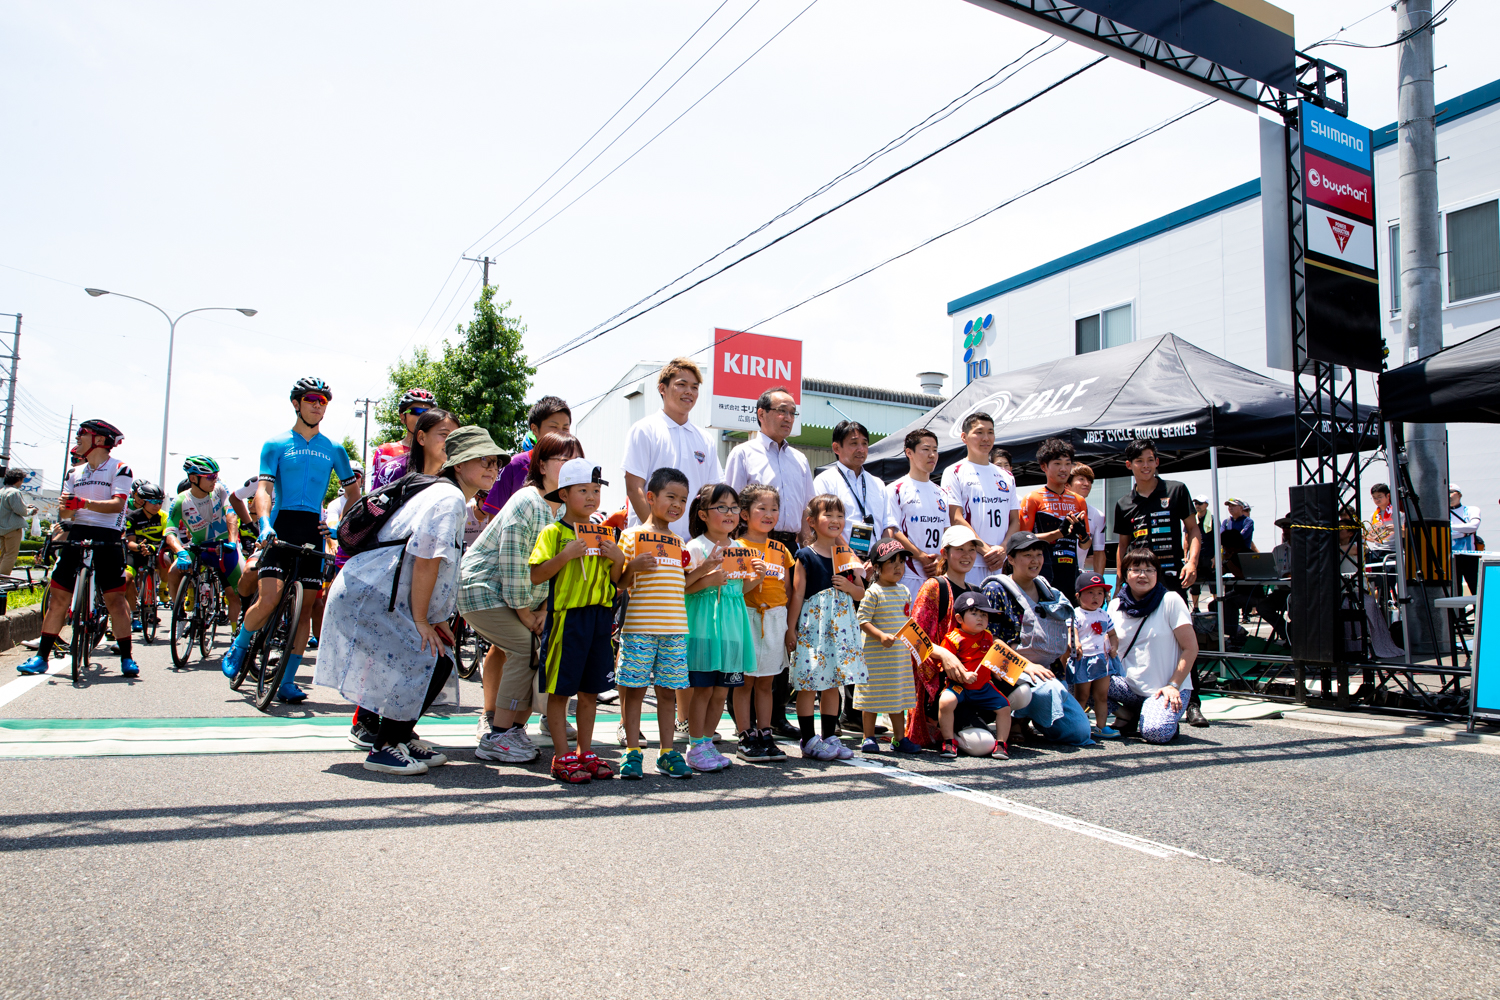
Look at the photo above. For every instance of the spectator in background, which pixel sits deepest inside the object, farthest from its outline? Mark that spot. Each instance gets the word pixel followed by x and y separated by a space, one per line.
pixel 767 460
pixel 1001 458
pixel 668 439
pixel 1241 521
pixel 13 514
pixel 388 461
pixel 863 495
pixel 1057 516
pixel 1090 550
pixel 1382 525
pixel 1157 647
pixel 1464 524
pixel 549 415
pixel 1205 517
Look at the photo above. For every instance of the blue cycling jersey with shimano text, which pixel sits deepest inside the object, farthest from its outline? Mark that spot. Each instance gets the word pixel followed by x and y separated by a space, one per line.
pixel 299 469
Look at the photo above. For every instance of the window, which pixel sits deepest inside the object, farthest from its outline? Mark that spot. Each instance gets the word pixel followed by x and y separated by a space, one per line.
pixel 1110 328
pixel 1394 274
pixel 1474 251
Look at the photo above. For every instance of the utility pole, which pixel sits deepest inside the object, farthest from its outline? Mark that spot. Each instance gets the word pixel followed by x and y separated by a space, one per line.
pixel 1418 272
pixel 10 402
pixel 486 261
pixel 364 411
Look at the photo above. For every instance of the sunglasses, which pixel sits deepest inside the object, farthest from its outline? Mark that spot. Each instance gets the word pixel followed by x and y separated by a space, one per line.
pixel 314 397
pixel 417 411
pixel 210 476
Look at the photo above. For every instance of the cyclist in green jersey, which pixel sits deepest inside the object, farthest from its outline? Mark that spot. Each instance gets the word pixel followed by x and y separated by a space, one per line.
pixel 203 511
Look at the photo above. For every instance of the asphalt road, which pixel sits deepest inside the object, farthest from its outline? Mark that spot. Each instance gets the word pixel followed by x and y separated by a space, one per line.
pixel 1345 864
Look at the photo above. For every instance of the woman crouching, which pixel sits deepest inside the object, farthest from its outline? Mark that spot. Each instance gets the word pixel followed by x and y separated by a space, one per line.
pixel 392 657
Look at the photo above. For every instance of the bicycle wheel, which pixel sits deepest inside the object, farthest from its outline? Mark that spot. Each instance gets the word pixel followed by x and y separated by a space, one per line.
pixel 184 612
pixel 278 645
pixel 145 602
pixel 211 607
pixel 464 661
pixel 78 642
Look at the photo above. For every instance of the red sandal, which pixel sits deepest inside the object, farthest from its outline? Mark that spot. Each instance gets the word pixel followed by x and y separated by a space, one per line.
pixel 570 769
pixel 596 767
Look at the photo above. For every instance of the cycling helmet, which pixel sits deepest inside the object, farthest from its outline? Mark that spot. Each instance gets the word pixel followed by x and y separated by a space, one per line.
pixel 136 484
pixel 184 486
pixel 356 468
pixel 149 492
pixel 416 397
pixel 104 429
pixel 308 384
pixel 252 479
pixel 199 465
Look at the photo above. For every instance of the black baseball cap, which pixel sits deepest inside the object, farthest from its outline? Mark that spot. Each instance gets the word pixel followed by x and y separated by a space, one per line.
pixel 973 600
pixel 1023 540
pixel 885 550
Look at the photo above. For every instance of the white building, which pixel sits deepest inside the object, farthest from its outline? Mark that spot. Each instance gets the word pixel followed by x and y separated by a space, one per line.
pixel 1198 272
pixel 601 425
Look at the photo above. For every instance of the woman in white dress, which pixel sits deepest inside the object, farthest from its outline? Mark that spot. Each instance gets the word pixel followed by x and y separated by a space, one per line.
pixel 391 656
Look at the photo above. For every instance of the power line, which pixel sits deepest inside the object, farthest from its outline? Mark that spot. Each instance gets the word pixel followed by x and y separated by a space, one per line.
pixel 553 355
pixel 643 146
pixel 611 118
pixel 943 113
pixel 1432 22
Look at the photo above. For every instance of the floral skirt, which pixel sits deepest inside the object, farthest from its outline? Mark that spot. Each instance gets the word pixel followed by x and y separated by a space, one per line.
pixel 830 646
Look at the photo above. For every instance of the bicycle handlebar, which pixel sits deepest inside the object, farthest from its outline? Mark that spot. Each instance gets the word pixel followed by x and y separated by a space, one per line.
pixel 304 550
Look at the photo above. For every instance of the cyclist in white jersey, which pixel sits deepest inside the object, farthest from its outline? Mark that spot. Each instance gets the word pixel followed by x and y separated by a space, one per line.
pixel 920 510
pixel 91 507
pixel 985 494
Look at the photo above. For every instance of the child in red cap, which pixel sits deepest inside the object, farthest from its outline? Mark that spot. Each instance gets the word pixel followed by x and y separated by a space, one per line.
pixel 1095 649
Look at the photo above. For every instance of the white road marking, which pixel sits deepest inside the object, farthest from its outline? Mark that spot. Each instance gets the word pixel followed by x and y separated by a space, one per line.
pixel 10 692
pixel 1151 847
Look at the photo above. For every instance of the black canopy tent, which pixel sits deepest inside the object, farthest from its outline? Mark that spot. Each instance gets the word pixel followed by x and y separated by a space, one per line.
pixel 1457 385
pixel 1185 399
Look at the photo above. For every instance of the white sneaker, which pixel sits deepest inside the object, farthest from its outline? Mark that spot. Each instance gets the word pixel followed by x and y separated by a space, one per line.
pixel 523 738
pixel 682 734
pixel 503 746
pixel 544 735
pixel 483 728
pixel 624 740
pixel 836 745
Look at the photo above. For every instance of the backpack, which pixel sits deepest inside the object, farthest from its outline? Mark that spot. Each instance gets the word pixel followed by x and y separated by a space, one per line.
pixel 359 528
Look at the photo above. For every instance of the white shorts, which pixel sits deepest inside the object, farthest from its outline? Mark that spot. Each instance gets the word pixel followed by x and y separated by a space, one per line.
pixel 769 631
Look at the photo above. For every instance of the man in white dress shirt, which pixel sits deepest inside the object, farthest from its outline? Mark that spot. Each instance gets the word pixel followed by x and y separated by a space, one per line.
pixel 766 459
pixel 863 495
pixel 669 440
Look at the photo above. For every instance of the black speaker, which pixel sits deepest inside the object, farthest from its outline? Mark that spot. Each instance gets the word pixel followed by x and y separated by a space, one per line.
pixel 1315 621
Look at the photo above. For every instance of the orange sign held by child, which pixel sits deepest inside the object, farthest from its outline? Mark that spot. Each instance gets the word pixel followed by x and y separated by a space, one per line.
pixel 591 535
pixel 666 548
pixel 737 564
pixel 845 560
pixel 916 640
pixel 1005 663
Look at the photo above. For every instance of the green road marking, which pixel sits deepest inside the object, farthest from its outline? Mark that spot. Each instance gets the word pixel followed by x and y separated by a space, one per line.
pixel 333 722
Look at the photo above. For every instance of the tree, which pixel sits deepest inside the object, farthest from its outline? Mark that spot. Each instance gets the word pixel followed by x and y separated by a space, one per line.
pixel 334 489
pixel 483 379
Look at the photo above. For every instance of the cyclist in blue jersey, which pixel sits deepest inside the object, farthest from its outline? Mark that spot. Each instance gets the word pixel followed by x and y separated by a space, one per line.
pixel 296 466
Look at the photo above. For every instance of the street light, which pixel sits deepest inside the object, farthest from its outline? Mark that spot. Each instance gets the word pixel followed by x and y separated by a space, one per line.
pixel 166 410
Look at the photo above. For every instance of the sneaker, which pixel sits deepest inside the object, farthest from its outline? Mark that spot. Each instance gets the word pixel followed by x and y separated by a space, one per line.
pixel 773 749
pixel 570 769
pixel 35 665
pixel 904 745
pixel 624 740
pixel 630 767
pixel 545 734
pixel 682 734
pixel 701 757
pixel 600 769
pixel 673 765
pixel 135 624
pixel 312 642
pixel 752 748
pixel 1108 733
pixel 837 748
pixel 362 736
pixel 503 746
pixel 818 748
pixel 290 693
pixel 724 762
pixel 394 760
pixel 522 737
pixel 950 749
pixel 484 726
pixel 870 745
pixel 425 752
pixel 1001 751
pixel 130 668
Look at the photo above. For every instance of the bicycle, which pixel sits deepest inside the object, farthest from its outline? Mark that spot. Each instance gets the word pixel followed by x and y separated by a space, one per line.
pixel 195 610
pixel 146 602
pixel 272 645
pixel 465 664
pixel 89 617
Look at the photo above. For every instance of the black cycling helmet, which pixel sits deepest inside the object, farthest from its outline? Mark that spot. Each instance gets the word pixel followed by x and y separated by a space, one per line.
pixel 104 429
pixel 136 484
pixel 309 383
pixel 149 492
pixel 416 397
pixel 184 486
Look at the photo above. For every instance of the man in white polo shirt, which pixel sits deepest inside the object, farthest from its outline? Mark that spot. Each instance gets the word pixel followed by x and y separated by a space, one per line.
pixel 669 440
pixel 985 494
pixel 863 495
pixel 767 460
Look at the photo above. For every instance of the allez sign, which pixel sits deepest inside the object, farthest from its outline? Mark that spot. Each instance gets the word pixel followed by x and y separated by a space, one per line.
pixel 746 365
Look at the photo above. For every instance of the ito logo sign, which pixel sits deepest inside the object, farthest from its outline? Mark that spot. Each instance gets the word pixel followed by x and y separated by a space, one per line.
pixel 974 331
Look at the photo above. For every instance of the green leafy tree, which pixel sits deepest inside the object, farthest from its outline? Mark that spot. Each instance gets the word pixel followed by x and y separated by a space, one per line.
pixel 483 379
pixel 334 489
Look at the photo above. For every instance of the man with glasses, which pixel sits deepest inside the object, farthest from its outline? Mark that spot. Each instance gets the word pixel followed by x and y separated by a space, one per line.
pixel 767 460
pixel 203 509
pixel 297 465
pixel 388 461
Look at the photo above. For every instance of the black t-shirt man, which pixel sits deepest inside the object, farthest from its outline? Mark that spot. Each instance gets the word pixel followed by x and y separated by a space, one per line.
pixel 1157 520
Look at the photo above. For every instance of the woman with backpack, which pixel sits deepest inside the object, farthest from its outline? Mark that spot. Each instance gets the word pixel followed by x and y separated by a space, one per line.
pixel 385 641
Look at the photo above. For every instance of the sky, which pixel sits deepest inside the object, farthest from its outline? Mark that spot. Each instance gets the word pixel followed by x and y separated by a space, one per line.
pixel 329 164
